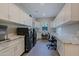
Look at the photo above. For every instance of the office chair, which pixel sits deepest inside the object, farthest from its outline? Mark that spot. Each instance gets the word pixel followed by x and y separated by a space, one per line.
pixel 52 43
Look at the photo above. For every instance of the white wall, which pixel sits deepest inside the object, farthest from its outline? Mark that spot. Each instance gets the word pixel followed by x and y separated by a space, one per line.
pixel 72 29
pixel 42 21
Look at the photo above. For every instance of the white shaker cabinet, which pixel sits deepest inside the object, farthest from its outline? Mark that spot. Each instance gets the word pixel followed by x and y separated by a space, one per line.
pixel 4 11
pixel 67 10
pixel 22 16
pixel 14 13
pixel 60 47
pixel 59 19
pixel 9 51
pixel 67 49
pixel 68 15
pixel 75 12
pixel 19 47
pixel 13 48
pixel 28 20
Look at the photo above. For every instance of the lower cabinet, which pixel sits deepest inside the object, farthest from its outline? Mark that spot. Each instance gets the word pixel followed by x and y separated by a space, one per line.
pixel 15 49
pixel 7 51
pixel 60 47
pixel 67 49
pixel 19 47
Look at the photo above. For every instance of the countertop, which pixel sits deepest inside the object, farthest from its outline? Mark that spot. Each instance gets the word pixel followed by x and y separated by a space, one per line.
pixel 67 39
pixel 7 43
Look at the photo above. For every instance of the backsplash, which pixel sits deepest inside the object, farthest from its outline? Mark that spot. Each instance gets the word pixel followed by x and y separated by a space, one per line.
pixel 3 32
pixel 68 30
pixel 11 30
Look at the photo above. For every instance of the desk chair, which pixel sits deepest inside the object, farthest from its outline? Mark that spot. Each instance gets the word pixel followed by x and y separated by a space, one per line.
pixel 52 43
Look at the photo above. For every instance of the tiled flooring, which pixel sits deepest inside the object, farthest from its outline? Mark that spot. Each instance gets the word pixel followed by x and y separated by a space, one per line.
pixel 41 49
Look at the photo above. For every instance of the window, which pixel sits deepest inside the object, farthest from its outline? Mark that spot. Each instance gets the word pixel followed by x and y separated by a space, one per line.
pixel 45 27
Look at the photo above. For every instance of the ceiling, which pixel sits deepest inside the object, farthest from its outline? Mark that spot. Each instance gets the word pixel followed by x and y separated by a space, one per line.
pixel 41 10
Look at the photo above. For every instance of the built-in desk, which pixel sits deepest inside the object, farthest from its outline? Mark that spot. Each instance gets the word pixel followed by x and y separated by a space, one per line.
pixel 14 47
pixel 67 45
pixel 44 37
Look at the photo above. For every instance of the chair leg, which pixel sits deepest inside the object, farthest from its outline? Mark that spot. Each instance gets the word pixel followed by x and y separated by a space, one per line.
pixel 52 47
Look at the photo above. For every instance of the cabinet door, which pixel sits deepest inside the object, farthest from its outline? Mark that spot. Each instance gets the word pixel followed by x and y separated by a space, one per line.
pixel 59 19
pixel 13 13
pixel 60 47
pixel 22 16
pixel 75 11
pixel 7 51
pixel 67 11
pixel 54 23
pixel 16 48
pixel 4 11
pixel 62 16
pixel 19 46
pixel 28 21
pixel 22 45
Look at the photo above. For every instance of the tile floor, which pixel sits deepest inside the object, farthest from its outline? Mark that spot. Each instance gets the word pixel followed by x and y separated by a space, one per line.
pixel 41 49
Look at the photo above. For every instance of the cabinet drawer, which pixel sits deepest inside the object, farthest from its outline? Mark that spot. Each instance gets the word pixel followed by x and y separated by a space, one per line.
pixel 7 52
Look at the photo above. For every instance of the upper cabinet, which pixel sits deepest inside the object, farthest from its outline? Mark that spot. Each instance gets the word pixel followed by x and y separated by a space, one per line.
pixel 4 11
pixel 18 15
pixel 75 12
pixel 28 20
pixel 12 13
pixel 22 16
pixel 69 14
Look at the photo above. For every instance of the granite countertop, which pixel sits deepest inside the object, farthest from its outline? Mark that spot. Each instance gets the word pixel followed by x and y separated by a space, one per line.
pixel 67 39
pixel 7 43
pixel 14 36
